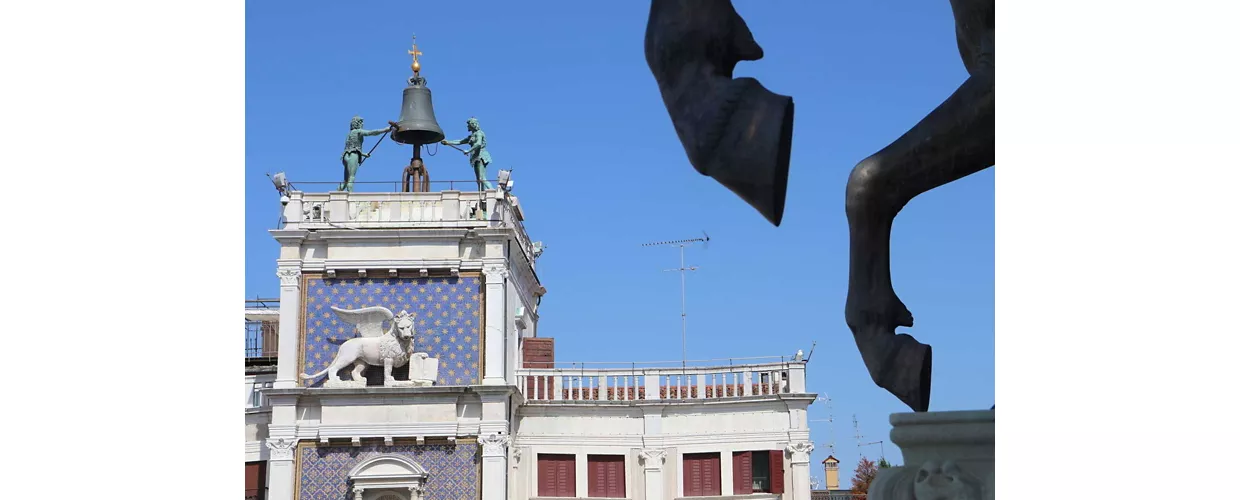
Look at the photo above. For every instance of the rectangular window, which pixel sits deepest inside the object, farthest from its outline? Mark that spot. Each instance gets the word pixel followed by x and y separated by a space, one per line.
pixel 702 476
pixel 606 478
pixel 557 475
pixel 757 472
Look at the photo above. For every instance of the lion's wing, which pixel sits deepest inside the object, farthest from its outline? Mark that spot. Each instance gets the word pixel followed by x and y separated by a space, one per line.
pixel 369 320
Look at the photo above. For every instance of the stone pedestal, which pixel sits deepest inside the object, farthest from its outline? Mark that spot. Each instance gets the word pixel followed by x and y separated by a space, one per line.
pixel 948 455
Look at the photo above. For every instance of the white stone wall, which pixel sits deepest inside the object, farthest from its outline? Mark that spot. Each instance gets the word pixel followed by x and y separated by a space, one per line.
pixel 762 423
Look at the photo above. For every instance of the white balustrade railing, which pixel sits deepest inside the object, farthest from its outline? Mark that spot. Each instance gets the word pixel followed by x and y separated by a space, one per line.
pixel 645 384
pixel 404 210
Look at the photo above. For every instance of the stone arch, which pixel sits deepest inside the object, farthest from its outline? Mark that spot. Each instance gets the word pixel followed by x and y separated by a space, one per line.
pixel 388 476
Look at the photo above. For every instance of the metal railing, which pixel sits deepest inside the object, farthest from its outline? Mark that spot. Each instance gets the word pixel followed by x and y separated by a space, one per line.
pixel 470 185
pixel 262 337
pixel 661 383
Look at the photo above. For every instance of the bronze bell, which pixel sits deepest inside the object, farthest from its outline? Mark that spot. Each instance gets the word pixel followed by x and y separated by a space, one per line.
pixel 417 123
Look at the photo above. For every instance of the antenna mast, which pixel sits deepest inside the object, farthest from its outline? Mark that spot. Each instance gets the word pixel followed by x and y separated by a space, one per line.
pixel 830 420
pixel 882 454
pixel 683 321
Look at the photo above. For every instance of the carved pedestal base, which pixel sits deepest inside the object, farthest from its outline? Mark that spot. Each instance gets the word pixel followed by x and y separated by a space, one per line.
pixel 948 455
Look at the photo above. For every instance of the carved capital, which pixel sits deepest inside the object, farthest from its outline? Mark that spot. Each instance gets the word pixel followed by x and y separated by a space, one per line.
pixel 800 451
pixel 495 274
pixel 652 458
pixel 282 448
pixel 516 454
pixel 493 444
pixel 289 276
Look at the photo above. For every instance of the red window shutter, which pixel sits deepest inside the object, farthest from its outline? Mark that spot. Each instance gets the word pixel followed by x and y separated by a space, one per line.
pixel 777 471
pixel 702 474
pixel 693 475
pixel 714 484
pixel 557 476
pixel 615 477
pixel 545 475
pixel 569 488
pixel 606 476
pixel 742 473
pixel 252 477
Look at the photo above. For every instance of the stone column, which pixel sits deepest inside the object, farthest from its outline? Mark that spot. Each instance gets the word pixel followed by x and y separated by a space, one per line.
pixel 495 325
pixel 652 465
pixel 799 464
pixel 290 315
pixel 280 470
pixel 494 466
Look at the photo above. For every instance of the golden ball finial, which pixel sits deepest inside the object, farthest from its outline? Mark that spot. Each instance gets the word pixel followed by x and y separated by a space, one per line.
pixel 417 66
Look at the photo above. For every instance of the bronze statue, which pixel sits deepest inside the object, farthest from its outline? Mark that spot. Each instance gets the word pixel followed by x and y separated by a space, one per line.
pixel 353 156
pixel 737 132
pixel 479 158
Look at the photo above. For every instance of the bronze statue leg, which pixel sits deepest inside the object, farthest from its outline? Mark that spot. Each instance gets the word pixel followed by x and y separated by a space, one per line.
pixel 733 130
pixel 953 141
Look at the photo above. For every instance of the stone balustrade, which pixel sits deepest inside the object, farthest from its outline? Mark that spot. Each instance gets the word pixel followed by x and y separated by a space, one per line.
pixel 399 210
pixel 667 384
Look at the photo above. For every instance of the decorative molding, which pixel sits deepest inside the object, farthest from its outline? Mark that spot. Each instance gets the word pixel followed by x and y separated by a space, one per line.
pixel 495 273
pixel 289 276
pixel 493 445
pixel 281 448
pixel 801 447
pixel 653 458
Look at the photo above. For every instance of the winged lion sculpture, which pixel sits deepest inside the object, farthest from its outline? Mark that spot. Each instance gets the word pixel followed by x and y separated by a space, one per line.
pixel 375 347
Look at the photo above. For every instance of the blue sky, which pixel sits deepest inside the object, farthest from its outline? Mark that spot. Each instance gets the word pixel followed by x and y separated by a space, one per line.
pixel 566 99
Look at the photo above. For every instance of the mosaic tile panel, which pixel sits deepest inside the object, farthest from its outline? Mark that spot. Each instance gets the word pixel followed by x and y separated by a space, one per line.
pixel 452 471
pixel 447 312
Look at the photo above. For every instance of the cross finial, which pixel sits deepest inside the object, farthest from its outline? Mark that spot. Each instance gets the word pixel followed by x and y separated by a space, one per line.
pixel 417 66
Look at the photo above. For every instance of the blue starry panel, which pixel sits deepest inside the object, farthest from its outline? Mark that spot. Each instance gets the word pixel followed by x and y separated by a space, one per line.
pixel 447 314
pixel 452 471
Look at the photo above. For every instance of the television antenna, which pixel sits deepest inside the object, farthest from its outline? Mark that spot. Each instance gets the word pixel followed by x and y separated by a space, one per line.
pixel 705 240
pixel 882 455
pixel 830 420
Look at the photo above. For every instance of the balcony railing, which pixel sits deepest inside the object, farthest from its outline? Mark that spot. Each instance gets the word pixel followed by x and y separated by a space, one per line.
pixel 262 328
pixel 661 383
pixel 401 210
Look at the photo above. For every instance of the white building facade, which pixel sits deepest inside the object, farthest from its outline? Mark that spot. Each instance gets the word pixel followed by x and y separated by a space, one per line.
pixel 484 422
